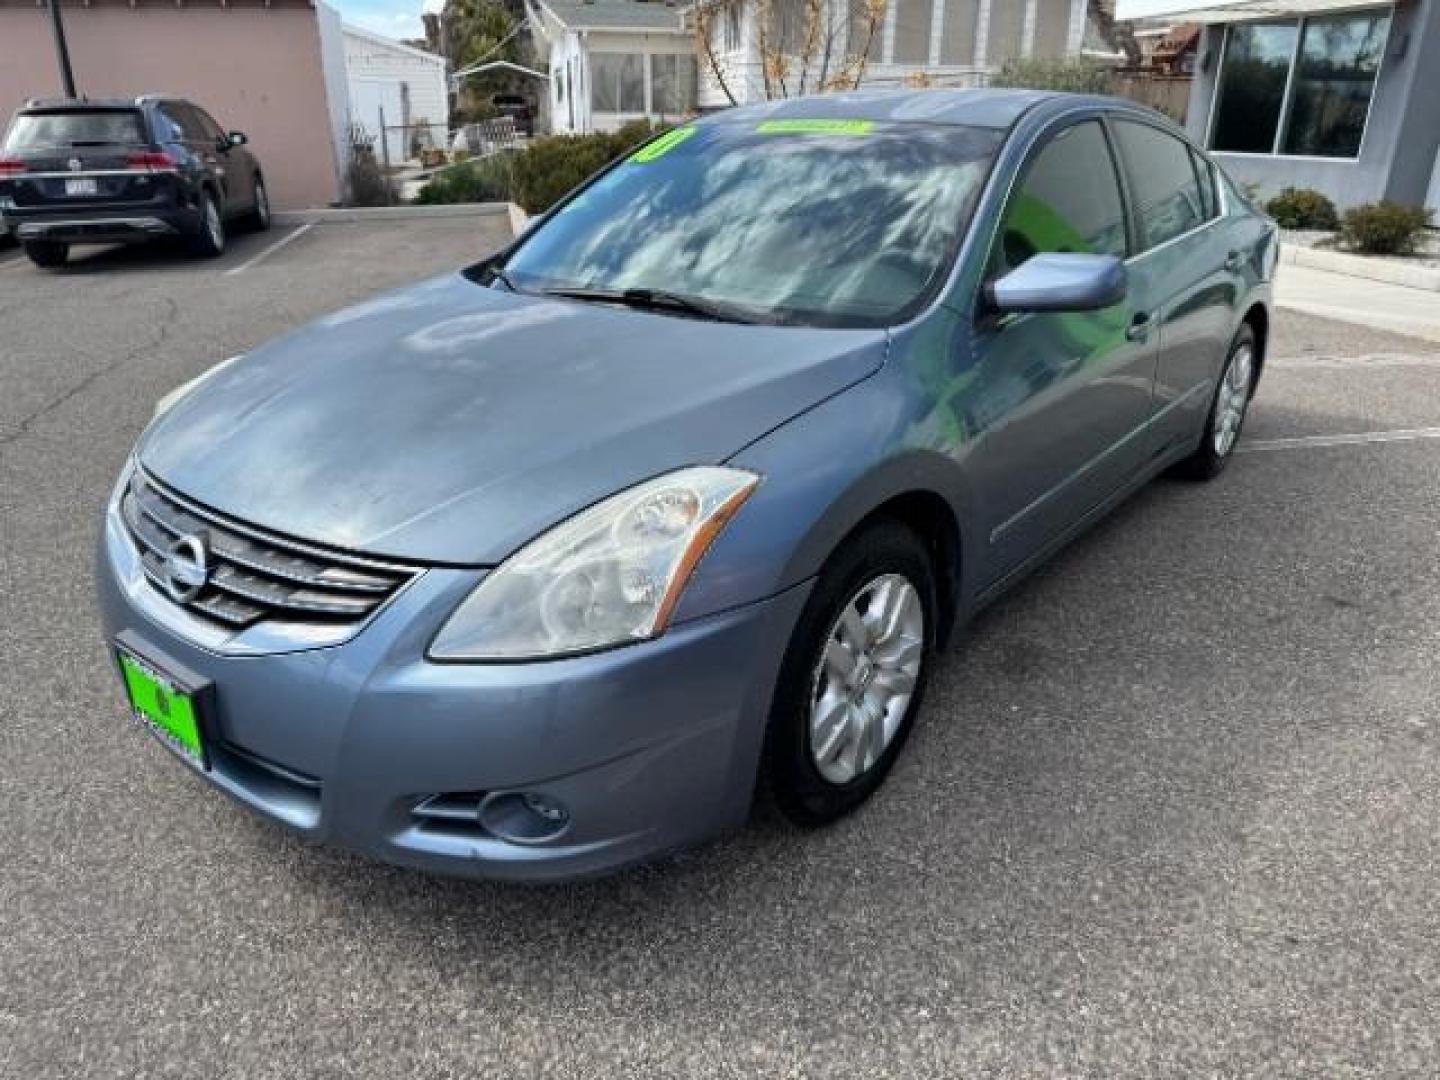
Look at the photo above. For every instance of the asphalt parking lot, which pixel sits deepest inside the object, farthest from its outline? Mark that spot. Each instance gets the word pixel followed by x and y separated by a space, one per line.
pixel 1171 808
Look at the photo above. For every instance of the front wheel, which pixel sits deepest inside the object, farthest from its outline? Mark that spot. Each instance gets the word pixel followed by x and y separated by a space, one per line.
pixel 47 253
pixel 258 220
pixel 853 676
pixel 1227 411
pixel 208 239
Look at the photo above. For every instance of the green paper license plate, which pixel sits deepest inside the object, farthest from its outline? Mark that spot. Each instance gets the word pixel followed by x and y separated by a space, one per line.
pixel 170 712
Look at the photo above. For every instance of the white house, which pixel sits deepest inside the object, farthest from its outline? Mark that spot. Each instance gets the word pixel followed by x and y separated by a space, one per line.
pixel 404 83
pixel 612 61
pixel 953 42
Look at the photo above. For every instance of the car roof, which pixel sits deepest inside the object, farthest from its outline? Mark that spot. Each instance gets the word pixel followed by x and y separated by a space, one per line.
pixel 91 104
pixel 999 108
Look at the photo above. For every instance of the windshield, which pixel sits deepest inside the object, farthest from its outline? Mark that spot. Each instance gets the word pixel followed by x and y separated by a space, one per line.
pixel 41 130
pixel 824 223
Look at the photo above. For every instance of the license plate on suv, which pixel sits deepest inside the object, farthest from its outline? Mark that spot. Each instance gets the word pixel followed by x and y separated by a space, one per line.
pixel 82 185
pixel 168 705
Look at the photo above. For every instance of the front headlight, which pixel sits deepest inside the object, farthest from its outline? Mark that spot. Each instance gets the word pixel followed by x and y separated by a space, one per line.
pixel 610 575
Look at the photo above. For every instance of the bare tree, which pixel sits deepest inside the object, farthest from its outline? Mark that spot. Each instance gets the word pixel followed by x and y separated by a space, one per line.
pixel 802 45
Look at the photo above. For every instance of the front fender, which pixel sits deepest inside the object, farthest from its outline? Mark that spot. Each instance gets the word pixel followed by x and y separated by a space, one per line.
pixel 824 473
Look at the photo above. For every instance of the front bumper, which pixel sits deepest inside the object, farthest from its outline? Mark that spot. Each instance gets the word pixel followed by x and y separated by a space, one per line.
pixel 649 747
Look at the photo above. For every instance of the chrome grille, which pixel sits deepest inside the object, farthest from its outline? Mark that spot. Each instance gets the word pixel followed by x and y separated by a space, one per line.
pixel 253 576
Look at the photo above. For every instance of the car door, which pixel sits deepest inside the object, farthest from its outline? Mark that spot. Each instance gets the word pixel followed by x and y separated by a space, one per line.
pixel 236 162
pixel 1058 401
pixel 1182 272
pixel 203 150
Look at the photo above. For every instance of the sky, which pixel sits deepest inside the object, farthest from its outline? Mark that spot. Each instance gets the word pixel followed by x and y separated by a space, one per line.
pixel 392 18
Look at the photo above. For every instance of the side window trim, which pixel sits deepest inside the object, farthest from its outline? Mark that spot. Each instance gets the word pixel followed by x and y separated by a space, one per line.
pixel 1038 147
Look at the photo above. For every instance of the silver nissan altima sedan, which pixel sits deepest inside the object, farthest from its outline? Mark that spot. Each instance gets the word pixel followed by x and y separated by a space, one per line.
pixel 548 565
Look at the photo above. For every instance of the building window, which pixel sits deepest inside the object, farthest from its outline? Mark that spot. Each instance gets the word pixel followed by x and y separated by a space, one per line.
pixel 1333 84
pixel 672 84
pixel 617 82
pixel 1298 87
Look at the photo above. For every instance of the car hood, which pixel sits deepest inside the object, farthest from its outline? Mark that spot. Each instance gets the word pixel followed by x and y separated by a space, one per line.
pixel 452 423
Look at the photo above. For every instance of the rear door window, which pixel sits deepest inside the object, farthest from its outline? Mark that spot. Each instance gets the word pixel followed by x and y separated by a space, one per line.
pixel 75 127
pixel 1068 201
pixel 1163 182
pixel 1208 194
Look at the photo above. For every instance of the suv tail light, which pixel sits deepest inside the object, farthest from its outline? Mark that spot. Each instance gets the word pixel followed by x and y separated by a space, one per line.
pixel 11 166
pixel 150 159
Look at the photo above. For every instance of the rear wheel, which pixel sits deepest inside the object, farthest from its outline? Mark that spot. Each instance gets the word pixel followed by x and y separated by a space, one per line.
pixel 853 676
pixel 1227 411
pixel 208 239
pixel 47 253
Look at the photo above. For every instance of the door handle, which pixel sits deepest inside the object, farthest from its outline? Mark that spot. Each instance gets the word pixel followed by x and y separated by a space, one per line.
pixel 1235 260
pixel 1139 328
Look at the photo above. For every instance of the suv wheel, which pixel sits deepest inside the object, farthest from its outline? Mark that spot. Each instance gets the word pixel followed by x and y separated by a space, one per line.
pixel 853 676
pixel 209 236
pixel 259 218
pixel 48 253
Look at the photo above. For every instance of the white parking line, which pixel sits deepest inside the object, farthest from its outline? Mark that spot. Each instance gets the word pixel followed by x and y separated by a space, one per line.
pixel 1306 441
pixel 1363 362
pixel 271 250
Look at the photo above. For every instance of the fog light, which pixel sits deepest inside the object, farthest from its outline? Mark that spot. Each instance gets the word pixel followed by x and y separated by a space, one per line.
pixel 546 807
pixel 524 817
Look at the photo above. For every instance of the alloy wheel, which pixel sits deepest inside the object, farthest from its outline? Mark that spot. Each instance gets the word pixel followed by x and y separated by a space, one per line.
pixel 213 225
pixel 1234 398
pixel 866 677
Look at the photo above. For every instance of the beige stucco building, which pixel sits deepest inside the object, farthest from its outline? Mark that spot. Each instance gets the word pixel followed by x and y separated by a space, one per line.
pixel 274 69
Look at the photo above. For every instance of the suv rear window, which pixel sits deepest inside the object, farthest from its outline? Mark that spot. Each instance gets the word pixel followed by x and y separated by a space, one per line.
pixel 75 127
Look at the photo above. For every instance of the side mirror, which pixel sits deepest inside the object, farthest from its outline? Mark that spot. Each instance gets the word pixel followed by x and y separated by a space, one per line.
pixel 236 138
pixel 1055 281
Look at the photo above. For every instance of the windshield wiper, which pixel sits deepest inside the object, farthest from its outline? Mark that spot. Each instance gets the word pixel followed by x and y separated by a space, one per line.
pixel 657 300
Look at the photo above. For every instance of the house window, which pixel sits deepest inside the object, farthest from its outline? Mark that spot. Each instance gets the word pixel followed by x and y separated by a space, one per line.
pixel 672 84
pixel 617 82
pixel 1333 84
pixel 1299 87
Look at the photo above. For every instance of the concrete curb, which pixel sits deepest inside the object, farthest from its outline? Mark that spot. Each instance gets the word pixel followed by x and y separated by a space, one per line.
pixel 1361 266
pixel 355 214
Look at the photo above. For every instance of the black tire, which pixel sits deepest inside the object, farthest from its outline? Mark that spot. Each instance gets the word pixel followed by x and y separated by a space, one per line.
pixel 47 253
pixel 208 238
pixel 790 776
pixel 258 219
pixel 1209 460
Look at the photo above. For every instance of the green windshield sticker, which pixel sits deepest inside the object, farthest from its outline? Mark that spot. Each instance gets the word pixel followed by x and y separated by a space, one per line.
pixel 663 145
pixel 815 127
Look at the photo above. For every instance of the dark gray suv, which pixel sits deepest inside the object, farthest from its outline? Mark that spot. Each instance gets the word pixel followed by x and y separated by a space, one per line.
pixel 75 172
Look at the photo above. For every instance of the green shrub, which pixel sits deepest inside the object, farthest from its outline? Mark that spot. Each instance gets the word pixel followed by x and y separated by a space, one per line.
pixel 1303 208
pixel 1385 228
pixel 483 180
pixel 1074 76
pixel 548 169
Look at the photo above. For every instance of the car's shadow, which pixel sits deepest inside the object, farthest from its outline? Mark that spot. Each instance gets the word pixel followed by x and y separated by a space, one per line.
pixel 164 254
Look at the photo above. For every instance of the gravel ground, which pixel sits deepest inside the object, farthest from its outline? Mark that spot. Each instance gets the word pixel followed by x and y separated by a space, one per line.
pixel 1170 810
